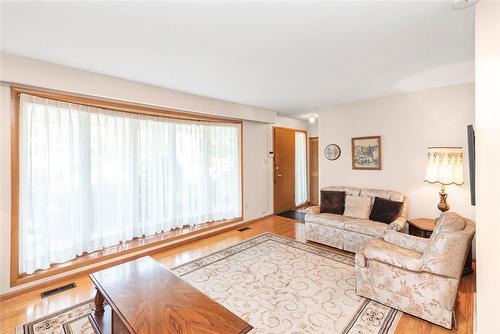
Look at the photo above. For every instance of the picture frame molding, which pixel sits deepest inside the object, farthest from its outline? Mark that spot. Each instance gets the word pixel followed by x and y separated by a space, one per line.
pixel 379 143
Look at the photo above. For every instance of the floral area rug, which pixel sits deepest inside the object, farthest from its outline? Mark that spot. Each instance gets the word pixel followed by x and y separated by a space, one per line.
pixel 276 284
pixel 74 319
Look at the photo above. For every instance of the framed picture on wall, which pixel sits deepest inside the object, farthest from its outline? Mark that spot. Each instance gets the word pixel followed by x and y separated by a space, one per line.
pixel 366 153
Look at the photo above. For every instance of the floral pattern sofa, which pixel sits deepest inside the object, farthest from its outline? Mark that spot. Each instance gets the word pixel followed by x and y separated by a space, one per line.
pixel 348 233
pixel 416 275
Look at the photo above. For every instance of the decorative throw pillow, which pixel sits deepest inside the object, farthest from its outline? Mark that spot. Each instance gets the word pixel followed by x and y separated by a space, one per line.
pixel 332 202
pixel 385 211
pixel 357 207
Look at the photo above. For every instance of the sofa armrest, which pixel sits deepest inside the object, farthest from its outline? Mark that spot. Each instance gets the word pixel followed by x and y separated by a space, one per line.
pixel 312 210
pixel 398 224
pixel 446 255
pixel 406 241
pixel 379 250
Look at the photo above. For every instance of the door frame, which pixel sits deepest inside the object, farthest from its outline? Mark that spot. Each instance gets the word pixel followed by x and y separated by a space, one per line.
pixel 307 164
pixel 310 168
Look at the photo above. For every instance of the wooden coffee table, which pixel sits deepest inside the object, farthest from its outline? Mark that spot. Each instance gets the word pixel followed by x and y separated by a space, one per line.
pixel 144 297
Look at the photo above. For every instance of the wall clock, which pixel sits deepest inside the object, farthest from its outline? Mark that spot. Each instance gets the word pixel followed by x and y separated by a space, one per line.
pixel 332 152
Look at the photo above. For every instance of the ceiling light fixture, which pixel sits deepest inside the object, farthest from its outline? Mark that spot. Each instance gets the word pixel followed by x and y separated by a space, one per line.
pixel 312 118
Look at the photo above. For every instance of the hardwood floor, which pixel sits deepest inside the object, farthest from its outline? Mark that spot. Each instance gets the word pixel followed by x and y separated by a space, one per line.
pixel 30 306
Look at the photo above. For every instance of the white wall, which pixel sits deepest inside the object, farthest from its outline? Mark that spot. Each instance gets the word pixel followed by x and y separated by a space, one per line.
pixel 258 142
pixel 20 70
pixel 4 188
pixel 257 170
pixel 257 130
pixel 314 129
pixel 488 162
pixel 287 122
pixel 408 124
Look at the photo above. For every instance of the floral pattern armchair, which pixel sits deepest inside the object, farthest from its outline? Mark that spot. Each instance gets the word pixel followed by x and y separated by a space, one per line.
pixel 416 275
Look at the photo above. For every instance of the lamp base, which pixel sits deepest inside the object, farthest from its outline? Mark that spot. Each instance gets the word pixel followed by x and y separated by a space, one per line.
pixel 443 206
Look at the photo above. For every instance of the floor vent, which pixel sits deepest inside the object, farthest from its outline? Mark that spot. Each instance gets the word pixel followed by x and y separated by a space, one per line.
pixel 59 289
pixel 244 229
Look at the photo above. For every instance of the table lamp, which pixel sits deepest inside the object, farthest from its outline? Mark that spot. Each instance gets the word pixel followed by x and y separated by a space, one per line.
pixel 444 166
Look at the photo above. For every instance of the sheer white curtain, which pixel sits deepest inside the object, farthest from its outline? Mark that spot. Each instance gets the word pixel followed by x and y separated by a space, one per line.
pixel 300 168
pixel 90 178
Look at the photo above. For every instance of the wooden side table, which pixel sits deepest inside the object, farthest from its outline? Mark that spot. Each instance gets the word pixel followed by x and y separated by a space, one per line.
pixel 423 227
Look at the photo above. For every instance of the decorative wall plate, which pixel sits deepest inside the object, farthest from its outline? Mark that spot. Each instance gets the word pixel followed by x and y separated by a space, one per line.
pixel 332 152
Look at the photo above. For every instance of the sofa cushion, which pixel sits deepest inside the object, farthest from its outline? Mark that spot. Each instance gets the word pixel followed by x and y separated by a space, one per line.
pixel 357 207
pixel 385 210
pixel 348 190
pixel 328 219
pixel 387 194
pixel 332 202
pixel 376 193
pixel 366 226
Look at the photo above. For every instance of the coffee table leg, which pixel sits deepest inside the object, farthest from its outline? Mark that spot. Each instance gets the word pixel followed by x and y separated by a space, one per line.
pixel 99 303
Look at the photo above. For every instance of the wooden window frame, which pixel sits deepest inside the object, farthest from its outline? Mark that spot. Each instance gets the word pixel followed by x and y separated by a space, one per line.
pixel 123 248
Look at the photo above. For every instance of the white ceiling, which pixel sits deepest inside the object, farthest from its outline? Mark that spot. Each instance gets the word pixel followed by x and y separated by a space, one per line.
pixel 289 57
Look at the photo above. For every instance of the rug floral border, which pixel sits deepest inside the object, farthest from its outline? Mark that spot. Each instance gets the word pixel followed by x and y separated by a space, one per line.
pixel 27 328
pixel 201 262
pixel 367 308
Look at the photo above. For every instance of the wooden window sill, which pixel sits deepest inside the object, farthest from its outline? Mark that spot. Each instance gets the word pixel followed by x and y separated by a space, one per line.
pixel 134 245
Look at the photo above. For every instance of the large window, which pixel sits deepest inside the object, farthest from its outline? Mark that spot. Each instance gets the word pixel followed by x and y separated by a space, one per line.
pixel 91 177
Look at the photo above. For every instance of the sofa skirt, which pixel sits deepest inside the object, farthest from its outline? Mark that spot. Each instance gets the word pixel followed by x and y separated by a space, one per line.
pixel 338 238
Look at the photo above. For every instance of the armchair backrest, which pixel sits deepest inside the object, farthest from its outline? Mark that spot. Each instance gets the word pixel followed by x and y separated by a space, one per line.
pixel 448 245
pixel 372 193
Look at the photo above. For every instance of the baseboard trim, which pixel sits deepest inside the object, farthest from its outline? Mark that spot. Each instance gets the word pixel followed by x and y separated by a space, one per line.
pixel 127 257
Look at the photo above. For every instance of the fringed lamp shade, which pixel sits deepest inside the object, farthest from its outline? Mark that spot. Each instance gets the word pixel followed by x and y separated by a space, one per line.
pixel 445 165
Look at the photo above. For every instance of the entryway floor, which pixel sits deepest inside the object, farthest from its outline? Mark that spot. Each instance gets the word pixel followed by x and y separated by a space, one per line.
pixel 292 214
